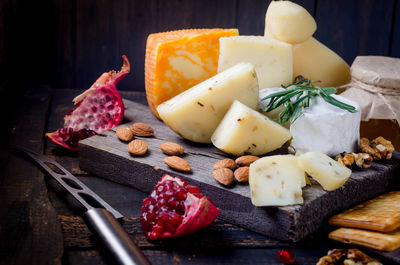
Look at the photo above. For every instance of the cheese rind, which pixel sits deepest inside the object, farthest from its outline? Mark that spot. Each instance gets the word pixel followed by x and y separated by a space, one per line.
pixel 289 22
pixel 177 60
pixel 325 170
pixel 271 58
pixel 315 61
pixel 196 113
pixel 246 131
pixel 276 181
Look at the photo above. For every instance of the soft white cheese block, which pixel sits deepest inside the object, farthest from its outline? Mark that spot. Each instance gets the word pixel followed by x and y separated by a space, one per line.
pixel 323 127
pixel 271 58
pixel 289 22
pixel 195 113
pixel 276 181
pixel 246 131
pixel 325 170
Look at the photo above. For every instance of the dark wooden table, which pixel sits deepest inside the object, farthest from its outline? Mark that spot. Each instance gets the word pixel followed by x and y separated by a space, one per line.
pixel 37 226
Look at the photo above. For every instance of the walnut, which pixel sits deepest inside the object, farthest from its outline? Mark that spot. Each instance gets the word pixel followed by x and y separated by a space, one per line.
pixel 365 146
pixel 335 256
pixel 346 159
pixel 356 256
pixel 362 160
pixel 384 146
pixel 352 256
pixel 379 148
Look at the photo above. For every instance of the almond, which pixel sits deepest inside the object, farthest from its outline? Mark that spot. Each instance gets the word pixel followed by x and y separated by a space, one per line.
pixel 242 174
pixel 225 163
pixel 245 160
pixel 223 176
pixel 137 147
pixel 142 129
pixel 172 149
pixel 124 134
pixel 177 163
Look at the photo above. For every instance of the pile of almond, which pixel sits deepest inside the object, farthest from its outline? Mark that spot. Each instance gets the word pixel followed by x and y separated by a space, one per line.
pixel 136 147
pixel 139 147
pixel 226 170
pixel 174 150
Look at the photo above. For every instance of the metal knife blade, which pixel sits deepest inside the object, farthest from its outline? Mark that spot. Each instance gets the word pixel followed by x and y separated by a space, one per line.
pixel 100 217
pixel 83 194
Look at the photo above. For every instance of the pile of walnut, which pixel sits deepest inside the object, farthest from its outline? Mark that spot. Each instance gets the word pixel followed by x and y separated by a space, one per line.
pixel 377 149
pixel 139 147
pixel 225 170
pixel 352 256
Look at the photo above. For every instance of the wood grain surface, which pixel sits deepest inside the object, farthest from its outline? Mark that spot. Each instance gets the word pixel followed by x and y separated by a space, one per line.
pixel 106 156
pixel 29 231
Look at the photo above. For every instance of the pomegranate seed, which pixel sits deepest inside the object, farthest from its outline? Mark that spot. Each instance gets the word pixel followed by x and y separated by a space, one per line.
pixel 285 256
pixel 181 194
pixel 192 189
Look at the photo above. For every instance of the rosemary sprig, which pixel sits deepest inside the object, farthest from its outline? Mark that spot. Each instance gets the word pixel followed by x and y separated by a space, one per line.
pixel 302 90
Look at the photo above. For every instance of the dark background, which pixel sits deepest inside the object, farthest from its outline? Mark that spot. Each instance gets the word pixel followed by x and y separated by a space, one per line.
pixel 68 43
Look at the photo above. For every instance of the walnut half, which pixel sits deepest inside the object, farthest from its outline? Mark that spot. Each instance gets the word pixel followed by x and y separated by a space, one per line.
pixel 362 160
pixel 379 148
pixel 343 256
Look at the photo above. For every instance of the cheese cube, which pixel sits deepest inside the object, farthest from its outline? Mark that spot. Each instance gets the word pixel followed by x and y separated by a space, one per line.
pixel 196 113
pixel 246 131
pixel 177 60
pixel 276 181
pixel 325 170
pixel 272 59
pixel 315 61
pixel 289 22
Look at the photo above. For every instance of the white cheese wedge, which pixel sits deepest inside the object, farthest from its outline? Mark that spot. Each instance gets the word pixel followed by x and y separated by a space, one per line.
pixel 289 22
pixel 246 131
pixel 276 181
pixel 325 170
pixel 195 113
pixel 315 61
pixel 272 59
pixel 323 127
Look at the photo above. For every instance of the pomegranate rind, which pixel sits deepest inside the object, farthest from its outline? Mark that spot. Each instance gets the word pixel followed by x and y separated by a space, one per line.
pixel 199 216
pixel 104 84
pixel 199 213
pixel 56 138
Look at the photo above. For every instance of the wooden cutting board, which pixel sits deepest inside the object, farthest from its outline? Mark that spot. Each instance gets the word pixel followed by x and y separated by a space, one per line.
pixel 104 155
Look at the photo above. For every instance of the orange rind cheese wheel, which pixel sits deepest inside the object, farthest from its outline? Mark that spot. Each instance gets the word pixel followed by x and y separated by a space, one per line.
pixel 178 60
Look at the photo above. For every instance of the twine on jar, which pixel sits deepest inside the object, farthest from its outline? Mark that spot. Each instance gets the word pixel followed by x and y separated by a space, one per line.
pixel 384 93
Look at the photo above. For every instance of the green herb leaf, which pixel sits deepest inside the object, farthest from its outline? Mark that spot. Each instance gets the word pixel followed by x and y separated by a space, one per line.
pixel 302 90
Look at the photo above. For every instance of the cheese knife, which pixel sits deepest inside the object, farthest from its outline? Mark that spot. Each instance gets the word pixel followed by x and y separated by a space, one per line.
pixel 100 217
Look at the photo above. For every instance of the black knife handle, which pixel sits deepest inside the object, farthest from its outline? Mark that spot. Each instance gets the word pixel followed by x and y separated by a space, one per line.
pixel 111 234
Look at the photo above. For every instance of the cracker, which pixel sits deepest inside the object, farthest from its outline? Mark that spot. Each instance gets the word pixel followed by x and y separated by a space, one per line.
pixel 371 239
pixel 380 214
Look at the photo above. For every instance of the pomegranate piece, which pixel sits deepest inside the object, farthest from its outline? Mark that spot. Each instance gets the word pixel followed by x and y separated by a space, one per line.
pixel 175 208
pixel 96 110
pixel 285 256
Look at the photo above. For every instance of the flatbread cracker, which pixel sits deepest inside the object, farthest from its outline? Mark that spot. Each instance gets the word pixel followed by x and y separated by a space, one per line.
pixel 380 214
pixel 371 239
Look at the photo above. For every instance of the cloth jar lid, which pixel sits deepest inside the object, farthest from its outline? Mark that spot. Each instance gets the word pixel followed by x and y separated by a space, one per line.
pixel 375 85
pixel 378 71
